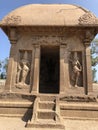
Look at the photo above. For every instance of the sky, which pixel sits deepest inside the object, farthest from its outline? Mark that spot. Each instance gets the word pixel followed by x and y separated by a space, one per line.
pixel 7 6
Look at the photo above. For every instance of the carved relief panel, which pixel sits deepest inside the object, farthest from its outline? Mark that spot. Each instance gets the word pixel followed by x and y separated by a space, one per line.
pixel 23 69
pixel 76 68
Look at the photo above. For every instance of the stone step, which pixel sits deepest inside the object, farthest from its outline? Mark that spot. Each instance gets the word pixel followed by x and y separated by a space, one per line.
pixel 49 121
pixel 11 115
pixel 45 125
pixel 45 114
pixel 79 110
pixel 46 105
pixel 47 98
pixel 15 108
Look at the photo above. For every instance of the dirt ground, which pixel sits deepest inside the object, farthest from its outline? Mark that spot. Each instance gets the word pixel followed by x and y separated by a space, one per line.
pixel 18 124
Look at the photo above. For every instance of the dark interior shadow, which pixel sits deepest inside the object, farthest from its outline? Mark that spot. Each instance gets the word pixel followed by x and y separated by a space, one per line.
pixel 28 115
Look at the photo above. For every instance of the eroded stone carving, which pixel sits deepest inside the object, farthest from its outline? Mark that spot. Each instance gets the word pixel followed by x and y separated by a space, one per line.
pixel 76 68
pixel 48 40
pixel 19 69
pixel 78 99
pixel 12 20
pixel 88 18
pixel 89 35
pixel 23 69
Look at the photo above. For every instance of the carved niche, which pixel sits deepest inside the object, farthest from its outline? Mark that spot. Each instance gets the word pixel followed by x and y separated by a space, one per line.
pixel 75 69
pixel 23 69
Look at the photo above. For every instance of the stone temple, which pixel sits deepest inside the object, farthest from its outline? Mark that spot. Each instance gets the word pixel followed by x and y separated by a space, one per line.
pixel 49 74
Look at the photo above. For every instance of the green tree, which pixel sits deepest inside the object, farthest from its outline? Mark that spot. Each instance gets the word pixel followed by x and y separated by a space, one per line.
pixel 5 65
pixel 0 65
pixel 94 57
pixel 0 68
pixel 3 68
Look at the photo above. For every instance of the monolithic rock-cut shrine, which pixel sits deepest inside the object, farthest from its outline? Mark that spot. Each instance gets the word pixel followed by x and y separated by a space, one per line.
pixel 49 71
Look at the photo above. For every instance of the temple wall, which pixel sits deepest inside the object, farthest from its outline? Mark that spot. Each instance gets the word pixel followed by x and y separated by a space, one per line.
pixel 26 51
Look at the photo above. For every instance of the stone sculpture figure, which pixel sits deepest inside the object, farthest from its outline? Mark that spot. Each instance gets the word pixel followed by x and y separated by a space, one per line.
pixel 25 70
pixel 22 73
pixel 19 69
pixel 76 70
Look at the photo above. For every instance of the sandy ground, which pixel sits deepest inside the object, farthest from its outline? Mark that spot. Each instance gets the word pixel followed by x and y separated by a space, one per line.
pixel 18 124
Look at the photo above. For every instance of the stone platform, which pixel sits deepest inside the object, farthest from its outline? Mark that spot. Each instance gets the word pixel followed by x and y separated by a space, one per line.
pixel 72 109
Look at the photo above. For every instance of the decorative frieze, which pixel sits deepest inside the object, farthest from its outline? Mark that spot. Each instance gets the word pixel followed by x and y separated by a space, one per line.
pixel 89 36
pixel 48 40
pixel 13 35
pixel 12 20
pixel 88 18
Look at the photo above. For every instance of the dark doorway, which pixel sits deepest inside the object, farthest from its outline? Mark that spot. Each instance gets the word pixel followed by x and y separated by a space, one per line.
pixel 49 69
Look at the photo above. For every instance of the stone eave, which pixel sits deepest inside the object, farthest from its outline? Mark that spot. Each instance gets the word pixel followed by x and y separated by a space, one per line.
pixel 70 25
pixel 6 28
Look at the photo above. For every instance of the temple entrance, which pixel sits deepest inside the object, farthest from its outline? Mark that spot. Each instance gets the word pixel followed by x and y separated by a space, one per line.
pixel 49 70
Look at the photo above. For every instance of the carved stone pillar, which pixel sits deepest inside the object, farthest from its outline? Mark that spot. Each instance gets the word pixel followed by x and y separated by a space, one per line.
pixel 66 68
pixel 35 86
pixel 84 72
pixel 88 68
pixel 32 69
pixel 11 64
pixel 62 69
pixel 89 35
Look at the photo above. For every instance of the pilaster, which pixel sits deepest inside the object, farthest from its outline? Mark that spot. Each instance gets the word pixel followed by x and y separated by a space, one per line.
pixel 62 69
pixel 36 62
pixel 11 64
pixel 66 68
pixel 88 68
pixel 89 35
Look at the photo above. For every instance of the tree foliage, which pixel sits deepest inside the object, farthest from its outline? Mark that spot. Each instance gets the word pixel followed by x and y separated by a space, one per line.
pixel 3 68
pixel 0 65
pixel 5 65
pixel 94 57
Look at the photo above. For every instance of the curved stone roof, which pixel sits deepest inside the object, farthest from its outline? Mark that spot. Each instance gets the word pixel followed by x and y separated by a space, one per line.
pixel 49 14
